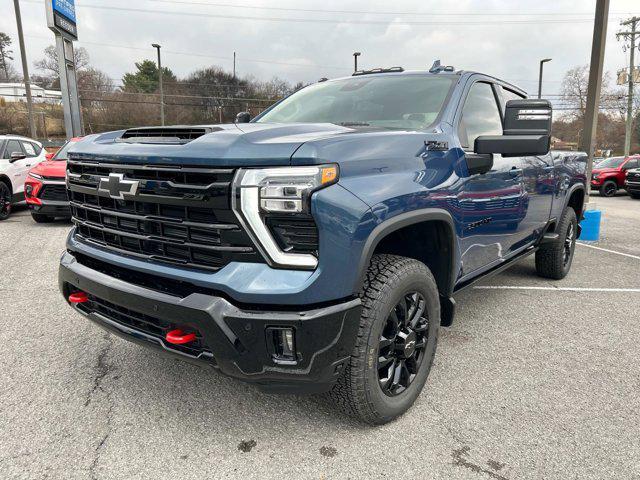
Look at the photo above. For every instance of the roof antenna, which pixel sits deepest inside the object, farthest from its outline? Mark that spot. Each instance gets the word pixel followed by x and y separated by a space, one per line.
pixel 436 67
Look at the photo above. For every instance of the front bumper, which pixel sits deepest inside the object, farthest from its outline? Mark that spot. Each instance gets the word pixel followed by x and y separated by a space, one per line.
pixel 52 208
pixel 632 186
pixel 230 338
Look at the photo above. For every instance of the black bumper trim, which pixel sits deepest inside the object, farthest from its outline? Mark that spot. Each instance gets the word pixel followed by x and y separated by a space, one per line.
pixel 236 337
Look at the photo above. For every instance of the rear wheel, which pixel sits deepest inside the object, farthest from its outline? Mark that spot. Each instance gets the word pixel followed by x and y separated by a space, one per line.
pixel 609 188
pixel 396 341
pixel 5 201
pixel 40 218
pixel 553 260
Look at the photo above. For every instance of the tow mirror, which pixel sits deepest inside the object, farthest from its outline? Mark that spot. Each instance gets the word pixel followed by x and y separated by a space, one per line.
pixel 15 156
pixel 243 117
pixel 526 130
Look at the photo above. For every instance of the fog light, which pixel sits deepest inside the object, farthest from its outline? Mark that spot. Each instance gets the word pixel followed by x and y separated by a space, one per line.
pixel 28 189
pixel 283 345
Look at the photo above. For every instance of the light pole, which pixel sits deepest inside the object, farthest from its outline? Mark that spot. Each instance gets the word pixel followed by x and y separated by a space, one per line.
pixel 355 60
pixel 157 47
pixel 25 70
pixel 542 62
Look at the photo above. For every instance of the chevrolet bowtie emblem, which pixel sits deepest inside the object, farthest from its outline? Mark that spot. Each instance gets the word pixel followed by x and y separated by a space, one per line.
pixel 117 187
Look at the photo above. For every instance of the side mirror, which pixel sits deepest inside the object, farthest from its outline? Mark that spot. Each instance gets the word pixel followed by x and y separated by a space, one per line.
pixel 243 117
pixel 526 130
pixel 49 156
pixel 15 156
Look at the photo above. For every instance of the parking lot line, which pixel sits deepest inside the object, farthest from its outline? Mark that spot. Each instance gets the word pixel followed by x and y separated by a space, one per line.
pixel 607 250
pixel 558 289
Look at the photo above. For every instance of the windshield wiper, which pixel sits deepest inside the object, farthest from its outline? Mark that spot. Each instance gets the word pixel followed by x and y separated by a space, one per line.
pixel 353 124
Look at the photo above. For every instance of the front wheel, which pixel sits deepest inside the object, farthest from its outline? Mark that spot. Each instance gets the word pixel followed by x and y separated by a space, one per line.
pixel 5 201
pixel 609 188
pixel 553 260
pixel 396 341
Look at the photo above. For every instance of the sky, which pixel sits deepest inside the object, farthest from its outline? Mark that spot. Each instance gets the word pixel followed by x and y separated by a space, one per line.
pixel 304 40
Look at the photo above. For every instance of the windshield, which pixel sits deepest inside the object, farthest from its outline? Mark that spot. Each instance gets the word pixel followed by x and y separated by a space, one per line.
pixel 613 162
pixel 62 153
pixel 388 101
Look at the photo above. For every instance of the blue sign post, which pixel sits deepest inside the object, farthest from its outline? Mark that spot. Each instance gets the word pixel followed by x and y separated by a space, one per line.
pixel 61 17
pixel 66 8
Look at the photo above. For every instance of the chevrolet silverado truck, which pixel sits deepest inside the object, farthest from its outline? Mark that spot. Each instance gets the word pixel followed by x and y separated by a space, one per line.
pixel 318 247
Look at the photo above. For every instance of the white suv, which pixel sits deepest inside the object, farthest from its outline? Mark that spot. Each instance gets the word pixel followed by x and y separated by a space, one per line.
pixel 17 156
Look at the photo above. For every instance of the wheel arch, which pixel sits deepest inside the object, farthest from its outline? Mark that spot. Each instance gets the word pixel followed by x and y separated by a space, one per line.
pixel 575 199
pixel 6 180
pixel 387 237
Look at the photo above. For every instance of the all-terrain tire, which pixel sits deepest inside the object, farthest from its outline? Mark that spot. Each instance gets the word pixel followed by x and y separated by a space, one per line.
pixel 40 218
pixel 358 391
pixel 553 260
pixel 5 201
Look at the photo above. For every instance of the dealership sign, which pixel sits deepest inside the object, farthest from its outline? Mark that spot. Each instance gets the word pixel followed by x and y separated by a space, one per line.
pixel 61 17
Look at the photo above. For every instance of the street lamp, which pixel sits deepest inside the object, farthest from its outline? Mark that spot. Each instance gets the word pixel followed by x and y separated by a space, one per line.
pixel 355 60
pixel 542 62
pixel 157 47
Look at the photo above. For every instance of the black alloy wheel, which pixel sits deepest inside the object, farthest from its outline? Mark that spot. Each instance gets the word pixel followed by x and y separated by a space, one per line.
pixel 609 189
pixel 402 344
pixel 569 244
pixel 5 201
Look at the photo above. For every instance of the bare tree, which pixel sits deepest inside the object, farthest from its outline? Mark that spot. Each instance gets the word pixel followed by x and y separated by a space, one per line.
pixel 49 64
pixel 5 54
pixel 574 91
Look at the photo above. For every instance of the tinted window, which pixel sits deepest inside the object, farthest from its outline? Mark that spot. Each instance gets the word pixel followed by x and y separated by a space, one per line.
pixel 29 149
pixel 480 115
pixel 62 153
pixel 12 147
pixel 631 164
pixel 613 162
pixel 388 101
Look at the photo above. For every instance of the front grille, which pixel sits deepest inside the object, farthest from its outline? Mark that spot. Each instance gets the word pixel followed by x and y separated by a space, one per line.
pixel 180 215
pixel 294 234
pixel 141 322
pixel 56 193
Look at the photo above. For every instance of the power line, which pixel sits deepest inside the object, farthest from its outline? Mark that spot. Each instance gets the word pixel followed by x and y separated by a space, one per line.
pixel 334 21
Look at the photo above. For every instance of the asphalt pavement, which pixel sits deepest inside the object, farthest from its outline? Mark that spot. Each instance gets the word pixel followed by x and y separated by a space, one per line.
pixel 536 379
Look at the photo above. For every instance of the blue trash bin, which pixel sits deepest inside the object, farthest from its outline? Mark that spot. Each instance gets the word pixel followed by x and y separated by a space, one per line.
pixel 591 226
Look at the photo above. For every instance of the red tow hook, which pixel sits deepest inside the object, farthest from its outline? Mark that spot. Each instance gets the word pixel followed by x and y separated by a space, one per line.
pixel 178 337
pixel 78 297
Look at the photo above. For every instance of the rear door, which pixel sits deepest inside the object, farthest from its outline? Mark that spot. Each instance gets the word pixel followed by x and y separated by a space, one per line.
pixel 491 203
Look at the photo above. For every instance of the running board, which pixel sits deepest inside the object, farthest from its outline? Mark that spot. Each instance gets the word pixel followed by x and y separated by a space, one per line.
pixel 495 270
pixel 549 238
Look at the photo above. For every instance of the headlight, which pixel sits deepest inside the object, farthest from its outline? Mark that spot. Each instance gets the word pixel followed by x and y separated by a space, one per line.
pixel 283 190
pixel 35 175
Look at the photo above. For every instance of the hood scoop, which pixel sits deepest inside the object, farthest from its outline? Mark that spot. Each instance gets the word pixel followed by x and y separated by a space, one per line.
pixel 164 135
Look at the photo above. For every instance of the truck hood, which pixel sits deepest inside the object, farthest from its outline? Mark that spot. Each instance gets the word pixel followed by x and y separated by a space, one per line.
pixel 248 144
pixel 605 170
pixel 50 168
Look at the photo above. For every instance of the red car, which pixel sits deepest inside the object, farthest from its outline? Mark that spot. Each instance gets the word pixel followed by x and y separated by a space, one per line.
pixel 45 190
pixel 609 175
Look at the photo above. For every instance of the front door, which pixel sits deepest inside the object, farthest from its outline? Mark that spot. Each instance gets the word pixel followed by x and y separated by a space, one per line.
pixel 17 170
pixel 491 203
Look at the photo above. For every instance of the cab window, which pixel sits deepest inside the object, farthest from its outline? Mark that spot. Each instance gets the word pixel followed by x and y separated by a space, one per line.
pixel 12 146
pixel 480 115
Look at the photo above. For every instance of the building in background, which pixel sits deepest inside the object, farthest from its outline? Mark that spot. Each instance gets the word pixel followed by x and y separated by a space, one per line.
pixel 16 92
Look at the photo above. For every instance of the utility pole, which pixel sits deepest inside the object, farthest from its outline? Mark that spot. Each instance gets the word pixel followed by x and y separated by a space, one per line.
pixel 629 36
pixel 157 47
pixel 355 60
pixel 25 70
pixel 595 82
pixel 234 65
pixel 542 62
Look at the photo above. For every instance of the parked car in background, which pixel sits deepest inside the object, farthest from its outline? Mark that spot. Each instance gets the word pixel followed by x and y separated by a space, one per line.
pixel 45 190
pixel 17 155
pixel 632 183
pixel 609 175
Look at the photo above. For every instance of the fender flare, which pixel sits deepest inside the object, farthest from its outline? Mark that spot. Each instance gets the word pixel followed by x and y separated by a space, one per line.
pixel 404 220
pixel 574 188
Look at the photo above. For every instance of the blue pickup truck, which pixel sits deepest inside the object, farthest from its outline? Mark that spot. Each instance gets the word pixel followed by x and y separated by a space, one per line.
pixel 319 246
